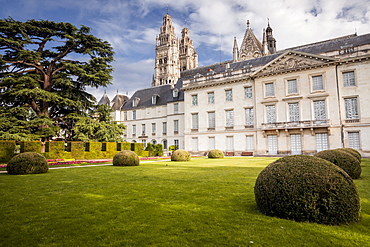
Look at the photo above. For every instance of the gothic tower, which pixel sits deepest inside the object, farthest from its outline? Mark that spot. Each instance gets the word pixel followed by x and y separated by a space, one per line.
pixel 167 67
pixel 172 55
pixel 188 55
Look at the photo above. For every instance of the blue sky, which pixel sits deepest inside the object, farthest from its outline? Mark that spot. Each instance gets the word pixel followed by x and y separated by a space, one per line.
pixel 131 26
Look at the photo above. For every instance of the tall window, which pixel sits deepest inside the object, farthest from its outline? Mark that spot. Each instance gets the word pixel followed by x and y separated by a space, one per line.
pixel 164 144
pixel 321 142
pixel 195 121
pixel 295 144
pixel 230 143
pixel 211 143
pixel 292 86
pixel 164 127
pixel 211 98
pixel 153 128
pixel 125 116
pixel 269 89
pixel 351 108
pixel 194 143
pixel 134 129
pixel 143 129
pixel 229 95
pixel 211 120
pixel 294 112
pixel 354 140
pixel 319 107
pixel 349 79
pixel 272 144
pixel 247 92
pixel 176 126
pixel 249 116
pixel 176 143
pixel 317 83
pixel 194 100
pixel 134 115
pixel 229 118
pixel 250 143
pixel 271 114
pixel 176 108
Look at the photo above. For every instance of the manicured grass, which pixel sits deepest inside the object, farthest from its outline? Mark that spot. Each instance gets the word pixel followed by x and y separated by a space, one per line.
pixel 204 202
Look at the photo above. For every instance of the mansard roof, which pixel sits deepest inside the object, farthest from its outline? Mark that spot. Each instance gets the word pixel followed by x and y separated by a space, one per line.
pixel 333 44
pixel 145 96
pixel 314 48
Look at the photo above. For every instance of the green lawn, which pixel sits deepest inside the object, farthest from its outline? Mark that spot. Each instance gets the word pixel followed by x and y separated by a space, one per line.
pixel 203 202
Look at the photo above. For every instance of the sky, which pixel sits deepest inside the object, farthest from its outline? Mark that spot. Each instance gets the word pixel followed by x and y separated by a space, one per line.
pixel 131 27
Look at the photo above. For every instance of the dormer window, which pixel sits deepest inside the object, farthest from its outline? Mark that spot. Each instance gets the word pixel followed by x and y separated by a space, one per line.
pixel 198 75
pixel 175 93
pixel 135 102
pixel 211 72
pixel 155 99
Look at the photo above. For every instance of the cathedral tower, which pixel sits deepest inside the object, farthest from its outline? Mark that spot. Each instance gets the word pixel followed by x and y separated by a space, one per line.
pixel 172 55
pixel 167 55
pixel 188 55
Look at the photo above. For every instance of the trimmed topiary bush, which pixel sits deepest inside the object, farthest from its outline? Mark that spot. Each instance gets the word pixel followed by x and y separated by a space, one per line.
pixel 180 155
pixel 307 188
pixel 216 154
pixel 126 158
pixel 344 160
pixel 352 151
pixel 27 163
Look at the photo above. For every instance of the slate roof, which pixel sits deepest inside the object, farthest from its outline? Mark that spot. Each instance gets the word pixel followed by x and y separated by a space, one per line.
pixel 314 48
pixel 145 96
pixel 118 101
pixel 104 100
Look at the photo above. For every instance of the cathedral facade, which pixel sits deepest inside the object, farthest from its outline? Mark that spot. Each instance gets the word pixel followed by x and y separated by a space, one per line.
pixel 264 101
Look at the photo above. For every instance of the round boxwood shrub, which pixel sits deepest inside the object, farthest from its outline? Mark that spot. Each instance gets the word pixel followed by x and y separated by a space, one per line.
pixel 344 160
pixel 27 163
pixel 352 151
pixel 307 188
pixel 215 153
pixel 180 155
pixel 126 158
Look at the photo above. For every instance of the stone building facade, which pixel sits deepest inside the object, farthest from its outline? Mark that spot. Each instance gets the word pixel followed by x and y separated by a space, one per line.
pixel 262 102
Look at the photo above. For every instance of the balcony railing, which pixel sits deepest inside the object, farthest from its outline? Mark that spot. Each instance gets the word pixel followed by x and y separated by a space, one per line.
pixel 296 124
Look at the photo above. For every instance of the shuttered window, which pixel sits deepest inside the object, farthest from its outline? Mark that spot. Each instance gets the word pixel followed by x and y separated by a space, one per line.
pixel 319 109
pixel 292 86
pixel 272 145
pixel 211 120
pixel 271 113
pixel 195 121
pixel 295 144
pixel 229 118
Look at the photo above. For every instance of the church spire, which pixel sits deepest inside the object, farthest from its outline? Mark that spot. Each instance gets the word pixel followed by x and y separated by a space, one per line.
pixel 235 51
pixel 271 42
pixel 251 47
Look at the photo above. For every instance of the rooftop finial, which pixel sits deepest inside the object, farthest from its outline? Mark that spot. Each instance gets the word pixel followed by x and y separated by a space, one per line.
pixel 248 24
pixel 167 9
pixel 268 22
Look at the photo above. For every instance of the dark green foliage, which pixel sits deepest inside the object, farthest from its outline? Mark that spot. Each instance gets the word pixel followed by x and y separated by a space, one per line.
pixel 98 125
pixel 6 151
pixel 180 155
pixel 31 146
pixel 47 66
pixel 126 158
pixel 215 153
pixel 158 149
pixel 307 188
pixel 27 163
pixel 344 160
pixel 352 151
pixel 150 149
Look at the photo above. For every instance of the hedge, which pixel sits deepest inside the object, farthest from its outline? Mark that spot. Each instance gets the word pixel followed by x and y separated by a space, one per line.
pixel 6 150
